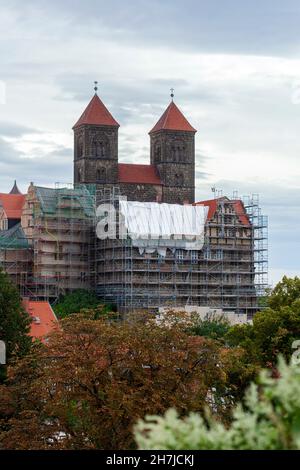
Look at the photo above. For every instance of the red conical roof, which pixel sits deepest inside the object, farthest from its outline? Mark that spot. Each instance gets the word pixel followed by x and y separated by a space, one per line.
pixel 173 120
pixel 97 114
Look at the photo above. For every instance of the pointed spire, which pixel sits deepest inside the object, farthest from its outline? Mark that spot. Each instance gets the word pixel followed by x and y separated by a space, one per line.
pixel 173 120
pixel 96 114
pixel 15 189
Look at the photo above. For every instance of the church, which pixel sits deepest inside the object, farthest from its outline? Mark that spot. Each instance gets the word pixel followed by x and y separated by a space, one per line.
pixel 170 175
pixel 48 241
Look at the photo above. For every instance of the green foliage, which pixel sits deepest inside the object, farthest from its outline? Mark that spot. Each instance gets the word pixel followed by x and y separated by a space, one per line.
pixel 14 321
pixel 285 294
pixel 269 420
pixel 76 301
pixel 274 329
pixel 214 327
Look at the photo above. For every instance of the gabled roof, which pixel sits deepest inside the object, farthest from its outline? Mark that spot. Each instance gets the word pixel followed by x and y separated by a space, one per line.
pixel 76 203
pixel 44 320
pixel 172 119
pixel 15 189
pixel 96 114
pixel 238 205
pixel 14 238
pixel 212 205
pixel 143 174
pixel 12 205
pixel 241 212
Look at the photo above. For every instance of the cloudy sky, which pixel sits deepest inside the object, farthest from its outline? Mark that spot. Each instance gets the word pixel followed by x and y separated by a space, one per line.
pixel 235 67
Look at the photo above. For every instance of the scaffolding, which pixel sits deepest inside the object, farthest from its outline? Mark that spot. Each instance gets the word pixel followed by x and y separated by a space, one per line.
pixel 55 250
pixel 230 272
pixel 16 256
pixel 58 223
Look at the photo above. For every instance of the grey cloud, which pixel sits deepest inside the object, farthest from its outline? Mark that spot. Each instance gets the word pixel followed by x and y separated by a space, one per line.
pixel 10 129
pixel 53 167
pixel 265 27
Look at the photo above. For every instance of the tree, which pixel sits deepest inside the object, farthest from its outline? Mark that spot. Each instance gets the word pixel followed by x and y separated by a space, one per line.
pixel 214 327
pixel 274 329
pixel 96 378
pixel 269 420
pixel 75 301
pixel 14 321
pixel 285 293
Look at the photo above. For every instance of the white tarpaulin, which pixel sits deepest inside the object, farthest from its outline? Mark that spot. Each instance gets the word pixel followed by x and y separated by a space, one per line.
pixel 156 227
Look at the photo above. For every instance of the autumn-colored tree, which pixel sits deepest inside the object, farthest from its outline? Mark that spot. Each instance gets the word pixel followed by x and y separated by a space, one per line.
pixel 95 378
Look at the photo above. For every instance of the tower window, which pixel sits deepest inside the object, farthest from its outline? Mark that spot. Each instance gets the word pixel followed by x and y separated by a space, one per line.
pixel 157 153
pixel 101 174
pixel 100 148
pixel 80 147
pixel 179 180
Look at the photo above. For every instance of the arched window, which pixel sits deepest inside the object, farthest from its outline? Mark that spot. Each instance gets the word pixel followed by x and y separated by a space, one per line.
pixel 179 179
pixel 79 175
pixel 101 174
pixel 100 148
pixel 157 153
pixel 79 147
pixel 173 153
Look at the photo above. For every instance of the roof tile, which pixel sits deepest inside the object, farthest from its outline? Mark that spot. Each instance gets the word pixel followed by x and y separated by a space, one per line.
pixel 96 113
pixel 172 119
pixel 12 205
pixel 143 174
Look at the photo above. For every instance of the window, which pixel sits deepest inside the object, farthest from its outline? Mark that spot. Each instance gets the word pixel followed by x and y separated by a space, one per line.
pixel 101 174
pixel 207 253
pixel 157 153
pixel 100 148
pixel 179 179
pixel 194 256
pixel 4 224
pixel 180 254
pixel 219 254
pixel 80 147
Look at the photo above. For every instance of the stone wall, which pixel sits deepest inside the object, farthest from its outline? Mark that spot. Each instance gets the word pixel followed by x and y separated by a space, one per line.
pixel 96 154
pixel 142 192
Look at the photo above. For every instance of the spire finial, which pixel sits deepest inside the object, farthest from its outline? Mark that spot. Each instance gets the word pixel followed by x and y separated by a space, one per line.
pixel 96 87
pixel 172 93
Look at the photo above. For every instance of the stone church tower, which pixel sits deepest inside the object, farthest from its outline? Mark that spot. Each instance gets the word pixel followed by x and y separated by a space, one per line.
pixel 170 177
pixel 172 148
pixel 96 146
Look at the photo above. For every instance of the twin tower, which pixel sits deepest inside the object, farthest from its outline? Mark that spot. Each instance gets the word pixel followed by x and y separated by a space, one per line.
pixel 170 177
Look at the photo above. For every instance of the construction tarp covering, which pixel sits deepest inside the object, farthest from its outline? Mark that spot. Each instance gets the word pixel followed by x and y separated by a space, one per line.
pixel 156 227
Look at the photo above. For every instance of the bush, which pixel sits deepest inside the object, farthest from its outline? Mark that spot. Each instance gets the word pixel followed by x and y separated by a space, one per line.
pixel 210 327
pixel 269 420
pixel 75 301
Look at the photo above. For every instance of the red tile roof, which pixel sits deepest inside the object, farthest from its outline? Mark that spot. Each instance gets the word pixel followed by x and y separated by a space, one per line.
pixel 96 113
pixel 238 205
pixel 12 205
pixel 44 319
pixel 143 174
pixel 241 212
pixel 172 119
pixel 212 207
